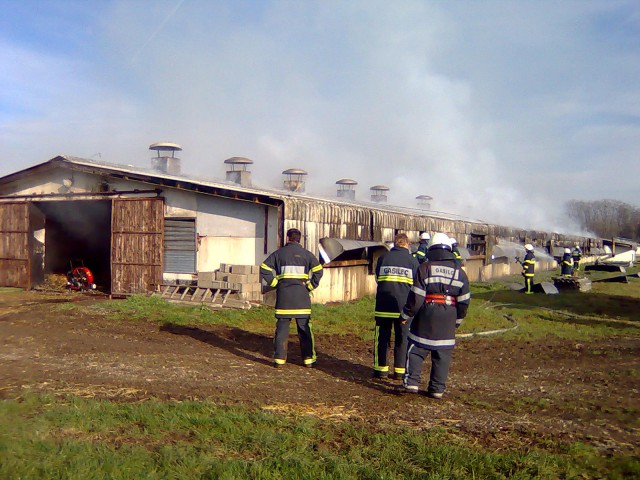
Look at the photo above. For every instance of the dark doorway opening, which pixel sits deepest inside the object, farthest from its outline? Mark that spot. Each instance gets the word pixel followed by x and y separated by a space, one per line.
pixel 78 231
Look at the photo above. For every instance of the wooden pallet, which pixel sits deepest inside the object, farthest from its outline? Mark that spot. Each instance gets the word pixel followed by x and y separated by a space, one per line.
pixel 192 294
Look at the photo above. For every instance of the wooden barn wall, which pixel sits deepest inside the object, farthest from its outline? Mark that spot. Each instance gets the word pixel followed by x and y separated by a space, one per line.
pixel 14 245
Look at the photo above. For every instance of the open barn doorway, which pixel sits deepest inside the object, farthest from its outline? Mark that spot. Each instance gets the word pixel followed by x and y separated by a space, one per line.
pixel 77 232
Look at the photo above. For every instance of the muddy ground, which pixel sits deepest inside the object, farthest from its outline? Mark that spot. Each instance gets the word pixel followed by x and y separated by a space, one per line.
pixel 502 393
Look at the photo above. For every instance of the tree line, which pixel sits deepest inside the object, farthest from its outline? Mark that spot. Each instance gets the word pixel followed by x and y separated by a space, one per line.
pixel 606 218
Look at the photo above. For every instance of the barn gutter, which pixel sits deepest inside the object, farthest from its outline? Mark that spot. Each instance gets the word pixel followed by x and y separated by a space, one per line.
pixel 79 195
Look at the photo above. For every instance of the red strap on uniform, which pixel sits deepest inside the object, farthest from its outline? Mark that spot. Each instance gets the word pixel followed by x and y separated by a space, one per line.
pixel 440 299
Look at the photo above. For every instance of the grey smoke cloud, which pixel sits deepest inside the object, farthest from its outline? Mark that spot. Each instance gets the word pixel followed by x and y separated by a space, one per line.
pixel 499 110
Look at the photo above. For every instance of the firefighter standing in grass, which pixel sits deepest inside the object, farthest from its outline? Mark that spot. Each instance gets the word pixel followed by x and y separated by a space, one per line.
pixel 566 268
pixel 423 246
pixel 294 272
pixel 528 268
pixel 436 305
pixel 395 271
pixel 577 256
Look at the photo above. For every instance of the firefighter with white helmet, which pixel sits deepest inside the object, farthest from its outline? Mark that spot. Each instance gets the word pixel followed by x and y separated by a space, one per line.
pixel 437 303
pixel 455 251
pixel 423 247
pixel 528 268
pixel 566 265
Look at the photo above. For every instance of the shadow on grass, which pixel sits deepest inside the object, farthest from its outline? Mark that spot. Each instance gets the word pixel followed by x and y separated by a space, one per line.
pixel 258 348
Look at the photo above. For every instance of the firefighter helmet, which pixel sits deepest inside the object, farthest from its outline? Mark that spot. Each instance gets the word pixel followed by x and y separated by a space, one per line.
pixel 440 240
pixel 528 247
pixel 425 236
pixel 567 250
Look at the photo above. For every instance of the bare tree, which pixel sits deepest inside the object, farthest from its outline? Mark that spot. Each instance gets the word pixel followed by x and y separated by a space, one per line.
pixel 606 218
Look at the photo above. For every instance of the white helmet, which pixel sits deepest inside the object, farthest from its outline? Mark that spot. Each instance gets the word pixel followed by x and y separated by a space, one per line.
pixel 567 250
pixel 528 247
pixel 440 240
pixel 425 236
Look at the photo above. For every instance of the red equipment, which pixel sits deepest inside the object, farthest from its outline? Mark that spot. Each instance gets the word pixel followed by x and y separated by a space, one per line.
pixel 80 278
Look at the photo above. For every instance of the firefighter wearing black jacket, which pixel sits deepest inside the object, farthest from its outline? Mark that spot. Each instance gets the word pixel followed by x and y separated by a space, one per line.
pixel 577 256
pixel 395 271
pixel 423 247
pixel 294 272
pixel 528 268
pixel 566 268
pixel 437 303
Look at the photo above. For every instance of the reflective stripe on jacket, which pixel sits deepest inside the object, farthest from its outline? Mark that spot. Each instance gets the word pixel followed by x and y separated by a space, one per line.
pixel 434 323
pixel 294 272
pixel 395 273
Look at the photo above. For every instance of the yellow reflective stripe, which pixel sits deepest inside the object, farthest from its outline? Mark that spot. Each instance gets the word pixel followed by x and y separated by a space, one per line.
pixel 293 275
pixel 274 282
pixel 395 278
pixel 529 274
pixel 400 371
pixel 301 311
pixel 279 361
pixel 264 266
pixel 317 268
pixel 419 253
pixel 387 314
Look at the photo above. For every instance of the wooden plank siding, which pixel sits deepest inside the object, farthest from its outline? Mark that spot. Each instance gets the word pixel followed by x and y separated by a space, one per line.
pixel 136 245
pixel 14 245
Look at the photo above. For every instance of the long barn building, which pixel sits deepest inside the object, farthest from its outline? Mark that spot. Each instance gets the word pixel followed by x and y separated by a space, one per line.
pixel 137 228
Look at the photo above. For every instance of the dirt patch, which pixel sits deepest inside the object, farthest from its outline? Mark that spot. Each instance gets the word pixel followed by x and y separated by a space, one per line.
pixel 503 393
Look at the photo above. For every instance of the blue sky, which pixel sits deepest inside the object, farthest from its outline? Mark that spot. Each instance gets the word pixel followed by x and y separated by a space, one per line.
pixel 501 110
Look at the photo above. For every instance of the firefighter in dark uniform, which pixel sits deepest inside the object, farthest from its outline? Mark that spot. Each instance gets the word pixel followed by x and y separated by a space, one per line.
pixel 395 271
pixel 294 272
pixel 566 265
pixel 577 256
pixel 528 268
pixel 423 246
pixel 455 251
pixel 436 305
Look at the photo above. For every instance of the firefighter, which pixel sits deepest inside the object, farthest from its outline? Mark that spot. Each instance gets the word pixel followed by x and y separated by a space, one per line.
pixel 436 305
pixel 294 272
pixel 423 246
pixel 566 266
pixel 455 251
pixel 576 254
pixel 528 268
pixel 395 271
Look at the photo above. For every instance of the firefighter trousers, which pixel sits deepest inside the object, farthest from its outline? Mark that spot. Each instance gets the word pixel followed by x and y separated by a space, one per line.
pixel 305 336
pixel 440 361
pixel 528 284
pixel 382 341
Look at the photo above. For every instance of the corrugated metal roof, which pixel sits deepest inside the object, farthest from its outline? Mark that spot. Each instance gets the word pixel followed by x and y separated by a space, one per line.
pixel 266 192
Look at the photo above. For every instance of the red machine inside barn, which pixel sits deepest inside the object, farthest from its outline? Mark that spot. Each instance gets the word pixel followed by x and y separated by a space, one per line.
pixel 80 278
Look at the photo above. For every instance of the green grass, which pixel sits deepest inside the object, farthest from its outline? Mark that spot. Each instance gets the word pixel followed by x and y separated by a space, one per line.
pixel 68 437
pixel 609 309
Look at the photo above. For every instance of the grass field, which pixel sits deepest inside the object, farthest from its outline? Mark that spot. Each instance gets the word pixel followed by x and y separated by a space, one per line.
pixel 65 436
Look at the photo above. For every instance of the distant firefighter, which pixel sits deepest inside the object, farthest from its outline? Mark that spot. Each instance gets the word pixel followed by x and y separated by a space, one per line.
pixel 566 266
pixel 423 246
pixel 577 256
pixel 528 268
pixel 455 251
